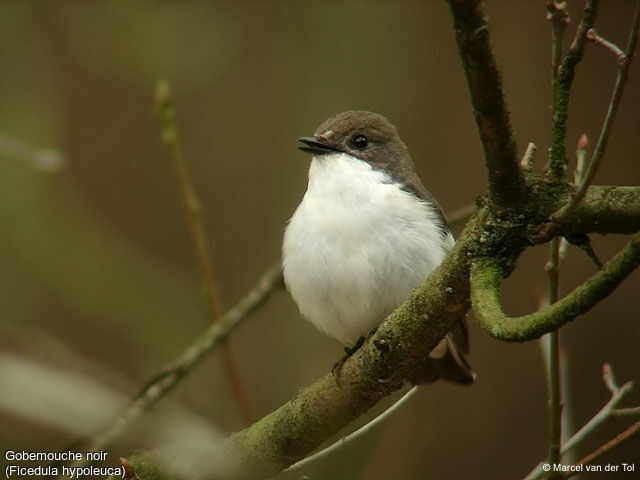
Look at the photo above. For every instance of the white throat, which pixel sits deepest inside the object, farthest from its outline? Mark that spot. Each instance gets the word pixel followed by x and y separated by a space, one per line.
pixel 357 245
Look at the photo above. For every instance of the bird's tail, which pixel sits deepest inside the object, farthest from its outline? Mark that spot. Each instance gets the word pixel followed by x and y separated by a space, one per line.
pixel 447 360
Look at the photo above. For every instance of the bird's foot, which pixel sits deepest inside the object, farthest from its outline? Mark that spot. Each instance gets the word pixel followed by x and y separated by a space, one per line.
pixel 348 351
pixel 351 350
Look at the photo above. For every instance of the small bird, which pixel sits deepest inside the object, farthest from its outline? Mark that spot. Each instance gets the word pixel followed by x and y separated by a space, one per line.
pixel 365 234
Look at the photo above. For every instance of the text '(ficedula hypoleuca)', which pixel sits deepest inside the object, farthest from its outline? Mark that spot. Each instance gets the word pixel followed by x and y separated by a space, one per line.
pixel 365 234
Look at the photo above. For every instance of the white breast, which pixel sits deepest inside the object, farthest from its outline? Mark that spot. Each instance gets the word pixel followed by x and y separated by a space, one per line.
pixel 357 246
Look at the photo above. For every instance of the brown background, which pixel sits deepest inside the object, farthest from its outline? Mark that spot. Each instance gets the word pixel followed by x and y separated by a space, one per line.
pixel 97 271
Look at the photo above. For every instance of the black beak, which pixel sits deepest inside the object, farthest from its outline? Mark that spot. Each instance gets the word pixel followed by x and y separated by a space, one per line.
pixel 316 146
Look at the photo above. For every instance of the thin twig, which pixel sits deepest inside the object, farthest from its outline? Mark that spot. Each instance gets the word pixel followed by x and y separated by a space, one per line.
pixel 169 377
pixel 618 393
pixel 593 36
pixel 461 215
pixel 526 163
pixel 48 160
pixel 355 434
pixel 555 401
pixel 618 440
pixel 559 18
pixel 623 74
pixel 556 380
pixel 166 112
pixel 624 412
pixel 581 155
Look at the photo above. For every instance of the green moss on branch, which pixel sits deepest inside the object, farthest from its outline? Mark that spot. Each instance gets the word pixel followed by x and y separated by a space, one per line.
pixel 506 182
pixel 557 155
pixel 486 277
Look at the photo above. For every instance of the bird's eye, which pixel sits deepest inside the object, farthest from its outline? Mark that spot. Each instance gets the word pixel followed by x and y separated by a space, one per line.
pixel 359 142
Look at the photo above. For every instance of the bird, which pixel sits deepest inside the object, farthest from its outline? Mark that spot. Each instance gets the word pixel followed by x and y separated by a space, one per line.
pixel 365 234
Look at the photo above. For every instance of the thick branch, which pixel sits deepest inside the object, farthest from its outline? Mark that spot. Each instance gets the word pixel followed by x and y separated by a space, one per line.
pixel 381 366
pixel 506 183
pixel 384 362
pixel 485 287
pixel 605 209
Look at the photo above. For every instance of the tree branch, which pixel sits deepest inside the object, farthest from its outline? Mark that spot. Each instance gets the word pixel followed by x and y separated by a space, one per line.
pixel 166 112
pixel 618 393
pixel 485 287
pixel 614 103
pixel 559 18
pixel 381 366
pixel 555 400
pixel 506 182
pixel 385 361
pixel 618 440
pixel 40 159
pixel 461 215
pixel 558 250
pixel 557 166
pixel 169 377
pixel 605 209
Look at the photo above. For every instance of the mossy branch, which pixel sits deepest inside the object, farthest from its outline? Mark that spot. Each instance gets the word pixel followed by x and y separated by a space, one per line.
pixel 385 361
pixel 606 209
pixel 381 366
pixel 489 246
pixel 486 277
pixel 506 182
pixel 614 103
pixel 557 167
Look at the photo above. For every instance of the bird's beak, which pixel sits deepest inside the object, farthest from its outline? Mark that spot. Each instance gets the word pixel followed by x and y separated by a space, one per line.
pixel 316 146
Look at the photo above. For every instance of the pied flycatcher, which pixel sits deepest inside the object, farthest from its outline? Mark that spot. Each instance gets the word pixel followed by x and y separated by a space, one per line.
pixel 365 235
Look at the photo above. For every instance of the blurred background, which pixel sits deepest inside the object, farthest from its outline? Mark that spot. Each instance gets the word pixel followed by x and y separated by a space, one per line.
pixel 98 279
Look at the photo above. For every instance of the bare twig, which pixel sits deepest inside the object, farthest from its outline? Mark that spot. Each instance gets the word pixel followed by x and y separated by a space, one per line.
pixel 581 154
pixel 614 103
pixel 618 440
pixel 559 18
pixel 461 215
pixel 558 251
pixel 593 36
pixel 49 160
pixel 618 393
pixel 623 412
pixel 526 163
pixel 555 401
pixel 367 427
pixel 166 112
pixel 169 377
